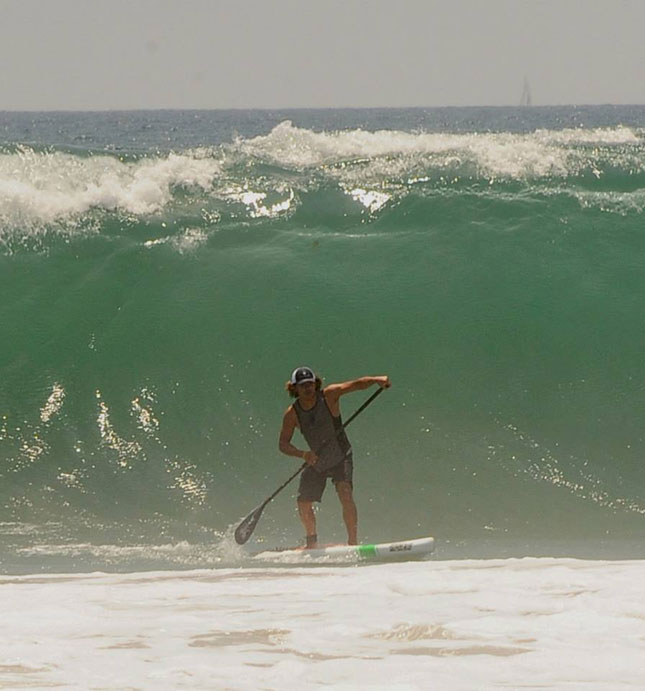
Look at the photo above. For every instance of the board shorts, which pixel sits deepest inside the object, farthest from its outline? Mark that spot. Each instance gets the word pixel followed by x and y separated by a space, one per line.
pixel 312 482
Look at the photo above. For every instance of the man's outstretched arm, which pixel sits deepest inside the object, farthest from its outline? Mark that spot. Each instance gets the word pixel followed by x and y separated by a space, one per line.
pixel 333 392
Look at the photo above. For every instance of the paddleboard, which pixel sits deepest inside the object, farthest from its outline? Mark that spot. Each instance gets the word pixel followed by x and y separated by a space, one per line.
pixel 403 550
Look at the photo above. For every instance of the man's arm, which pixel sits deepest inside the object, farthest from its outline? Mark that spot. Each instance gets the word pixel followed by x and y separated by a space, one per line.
pixel 289 423
pixel 333 392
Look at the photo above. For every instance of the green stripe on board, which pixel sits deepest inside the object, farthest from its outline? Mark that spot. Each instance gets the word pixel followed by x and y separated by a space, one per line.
pixel 366 550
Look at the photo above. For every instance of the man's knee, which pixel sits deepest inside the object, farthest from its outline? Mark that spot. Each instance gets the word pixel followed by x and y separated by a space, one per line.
pixel 344 490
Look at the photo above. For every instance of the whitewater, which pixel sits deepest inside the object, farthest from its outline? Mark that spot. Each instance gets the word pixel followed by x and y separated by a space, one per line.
pixel 517 623
pixel 161 274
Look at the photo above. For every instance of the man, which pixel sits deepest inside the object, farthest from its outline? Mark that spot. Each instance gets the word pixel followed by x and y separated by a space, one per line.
pixel 316 412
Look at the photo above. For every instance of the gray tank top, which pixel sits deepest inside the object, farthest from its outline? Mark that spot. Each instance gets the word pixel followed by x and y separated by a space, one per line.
pixel 324 434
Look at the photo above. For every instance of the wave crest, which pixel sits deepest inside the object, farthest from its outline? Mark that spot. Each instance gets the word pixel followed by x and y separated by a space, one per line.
pixel 268 176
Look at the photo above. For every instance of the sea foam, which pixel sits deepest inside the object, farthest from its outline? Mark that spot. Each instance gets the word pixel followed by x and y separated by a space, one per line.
pixel 450 625
pixel 40 188
pixel 50 186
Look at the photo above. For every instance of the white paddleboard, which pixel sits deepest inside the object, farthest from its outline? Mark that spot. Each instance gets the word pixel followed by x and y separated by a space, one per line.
pixel 403 550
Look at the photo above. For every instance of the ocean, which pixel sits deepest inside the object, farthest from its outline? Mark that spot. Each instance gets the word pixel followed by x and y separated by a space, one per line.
pixel 161 274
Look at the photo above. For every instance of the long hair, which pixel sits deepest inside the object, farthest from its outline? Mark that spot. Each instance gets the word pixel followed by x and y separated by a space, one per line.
pixel 291 388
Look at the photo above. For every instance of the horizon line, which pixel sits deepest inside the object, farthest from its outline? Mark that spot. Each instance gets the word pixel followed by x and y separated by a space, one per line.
pixel 303 108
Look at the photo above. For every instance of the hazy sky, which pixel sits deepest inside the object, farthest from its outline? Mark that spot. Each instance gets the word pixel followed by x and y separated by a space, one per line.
pixel 112 54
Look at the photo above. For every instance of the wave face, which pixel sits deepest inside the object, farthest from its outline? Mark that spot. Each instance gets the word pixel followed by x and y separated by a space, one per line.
pixel 162 273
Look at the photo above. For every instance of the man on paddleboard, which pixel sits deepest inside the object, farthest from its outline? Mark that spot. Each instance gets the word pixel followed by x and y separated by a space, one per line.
pixel 316 412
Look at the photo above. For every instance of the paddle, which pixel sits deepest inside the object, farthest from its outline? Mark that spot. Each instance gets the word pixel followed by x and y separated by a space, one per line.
pixel 244 531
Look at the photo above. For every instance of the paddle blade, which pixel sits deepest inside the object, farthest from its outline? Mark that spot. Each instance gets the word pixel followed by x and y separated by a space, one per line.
pixel 244 531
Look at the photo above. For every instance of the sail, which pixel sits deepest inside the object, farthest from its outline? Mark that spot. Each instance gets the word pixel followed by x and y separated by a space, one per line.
pixel 526 100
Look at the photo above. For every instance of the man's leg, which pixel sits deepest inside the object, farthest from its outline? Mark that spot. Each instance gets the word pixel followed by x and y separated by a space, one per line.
pixel 350 513
pixel 312 486
pixel 308 518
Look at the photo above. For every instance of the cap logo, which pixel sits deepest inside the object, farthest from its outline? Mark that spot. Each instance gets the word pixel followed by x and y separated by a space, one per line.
pixel 301 375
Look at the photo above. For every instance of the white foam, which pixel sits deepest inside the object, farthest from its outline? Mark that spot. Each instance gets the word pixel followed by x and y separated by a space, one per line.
pixel 47 187
pixel 446 625
pixel 142 409
pixel 257 202
pixel 189 240
pixel 542 464
pixel 370 199
pixel 53 404
pixel 40 189
pixel 127 451
pixel 619 203
pixel 516 156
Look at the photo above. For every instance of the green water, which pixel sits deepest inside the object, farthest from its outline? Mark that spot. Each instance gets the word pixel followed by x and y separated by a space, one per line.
pixel 153 306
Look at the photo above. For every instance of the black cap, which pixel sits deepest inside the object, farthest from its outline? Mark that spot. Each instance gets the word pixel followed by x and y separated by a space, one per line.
pixel 300 375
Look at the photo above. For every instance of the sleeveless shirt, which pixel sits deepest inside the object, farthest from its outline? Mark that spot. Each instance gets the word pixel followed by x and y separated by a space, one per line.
pixel 324 434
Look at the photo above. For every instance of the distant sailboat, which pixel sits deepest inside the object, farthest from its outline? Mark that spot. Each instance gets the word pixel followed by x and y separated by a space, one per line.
pixel 526 94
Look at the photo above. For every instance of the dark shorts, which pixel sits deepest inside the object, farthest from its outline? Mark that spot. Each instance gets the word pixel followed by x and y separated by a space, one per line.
pixel 312 483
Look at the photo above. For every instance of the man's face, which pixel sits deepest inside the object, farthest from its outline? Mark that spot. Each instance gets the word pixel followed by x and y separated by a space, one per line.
pixel 306 390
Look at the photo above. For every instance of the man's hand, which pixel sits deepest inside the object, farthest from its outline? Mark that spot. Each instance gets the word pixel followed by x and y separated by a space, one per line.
pixel 310 458
pixel 383 382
